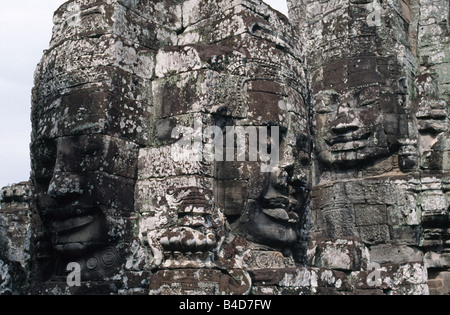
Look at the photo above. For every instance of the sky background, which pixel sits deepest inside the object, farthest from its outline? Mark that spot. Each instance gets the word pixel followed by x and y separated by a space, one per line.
pixel 25 32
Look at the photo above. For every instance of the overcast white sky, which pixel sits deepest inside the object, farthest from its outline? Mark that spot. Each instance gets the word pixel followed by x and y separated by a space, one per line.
pixel 25 31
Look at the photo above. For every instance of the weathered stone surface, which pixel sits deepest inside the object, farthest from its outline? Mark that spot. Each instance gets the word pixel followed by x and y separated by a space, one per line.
pixel 439 283
pixel 150 168
pixel 15 237
pixel 339 254
pixel 380 110
pixel 200 282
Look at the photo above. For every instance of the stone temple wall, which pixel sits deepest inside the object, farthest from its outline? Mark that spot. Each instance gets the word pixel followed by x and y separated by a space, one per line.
pixel 140 111
pixel 15 236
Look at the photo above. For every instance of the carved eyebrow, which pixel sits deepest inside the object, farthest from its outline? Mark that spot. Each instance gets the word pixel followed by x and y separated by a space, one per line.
pixel 90 126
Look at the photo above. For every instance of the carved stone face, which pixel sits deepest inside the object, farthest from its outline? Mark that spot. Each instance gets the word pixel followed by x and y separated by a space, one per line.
pixel 274 217
pixel 268 207
pixel 81 181
pixel 356 128
pixel 84 193
pixel 265 207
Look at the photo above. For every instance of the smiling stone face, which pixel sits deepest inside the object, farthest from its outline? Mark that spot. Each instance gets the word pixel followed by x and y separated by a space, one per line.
pixel 361 82
pixel 84 194
pixel 356 128
pixel 87 181
pixel 268 208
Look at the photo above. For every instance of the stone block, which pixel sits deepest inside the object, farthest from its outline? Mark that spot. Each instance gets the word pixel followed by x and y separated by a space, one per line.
pixel 172 160
pixel 374 234
pixel 369 215
pixel 406 235
pixel 394 254
pixel 439 283
pixel 199 282
pixel 338 254
pixel 436 260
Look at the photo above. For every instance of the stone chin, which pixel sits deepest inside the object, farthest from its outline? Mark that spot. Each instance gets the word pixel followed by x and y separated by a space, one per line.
pixel 262 228
pixel 75 237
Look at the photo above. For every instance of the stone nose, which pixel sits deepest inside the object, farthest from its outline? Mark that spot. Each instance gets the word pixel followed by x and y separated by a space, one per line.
pixel 277 187
pixel 279 177
pixel 65 185
pixel 346 121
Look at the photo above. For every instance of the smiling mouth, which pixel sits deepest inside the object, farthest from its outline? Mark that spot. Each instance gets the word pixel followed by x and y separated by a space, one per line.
pixel 76 230
pixel 278 209
pixel 77 235
pixel 348 142
pixel 66 226
pixel 280 214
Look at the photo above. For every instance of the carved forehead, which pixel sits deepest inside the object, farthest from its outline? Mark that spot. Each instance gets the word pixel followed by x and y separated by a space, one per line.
pixel 215 79
pixel 92 112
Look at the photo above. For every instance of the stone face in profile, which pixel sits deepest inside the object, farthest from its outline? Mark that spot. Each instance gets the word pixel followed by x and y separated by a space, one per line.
pixel 432 114
pixel 268 208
